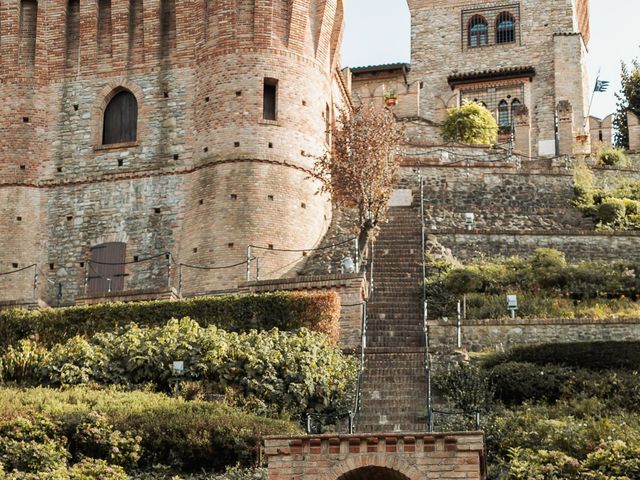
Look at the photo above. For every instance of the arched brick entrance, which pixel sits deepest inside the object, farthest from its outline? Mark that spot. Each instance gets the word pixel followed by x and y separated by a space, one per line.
pixel 396 456
pixel 373 473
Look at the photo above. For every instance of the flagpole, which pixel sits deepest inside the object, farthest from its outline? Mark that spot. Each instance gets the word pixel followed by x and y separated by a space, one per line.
pixel 593 94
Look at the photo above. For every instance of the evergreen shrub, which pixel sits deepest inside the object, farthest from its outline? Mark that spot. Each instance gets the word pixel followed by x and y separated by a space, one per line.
pixel 239 313
pixel 44 430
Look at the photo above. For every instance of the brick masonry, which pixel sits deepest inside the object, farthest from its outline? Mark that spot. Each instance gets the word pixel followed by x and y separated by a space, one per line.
pixel 409 456
pixel 206 176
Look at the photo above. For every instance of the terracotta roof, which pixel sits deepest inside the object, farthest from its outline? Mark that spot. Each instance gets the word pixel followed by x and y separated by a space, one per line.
pixel 487 75
pixel 381 68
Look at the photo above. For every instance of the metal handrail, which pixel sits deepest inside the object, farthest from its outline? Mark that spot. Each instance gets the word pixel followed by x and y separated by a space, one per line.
pixel 357 402
pixel 425 311
pixel 355 411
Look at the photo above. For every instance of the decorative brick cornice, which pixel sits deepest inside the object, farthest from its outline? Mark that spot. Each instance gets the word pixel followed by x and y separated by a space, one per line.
pixel 507 73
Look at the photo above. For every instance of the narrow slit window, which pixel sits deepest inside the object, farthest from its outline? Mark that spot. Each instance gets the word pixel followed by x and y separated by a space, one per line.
pixel 120 119
pixel 478 31
pixel 505 28
pixel 270 99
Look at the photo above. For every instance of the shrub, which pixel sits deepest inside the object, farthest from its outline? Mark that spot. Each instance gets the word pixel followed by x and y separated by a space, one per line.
pixel 612 211
pixel 96 438
pixel 515 383
pixel 614 157
pixel 90 468
pixel 189 435
pixel 616 460
pixel 527 464
pixel 274 372
pixel 587 355
pixel 616 208
pixel 282 310
pixel 466 387
pixel 471 123
pixel 32 445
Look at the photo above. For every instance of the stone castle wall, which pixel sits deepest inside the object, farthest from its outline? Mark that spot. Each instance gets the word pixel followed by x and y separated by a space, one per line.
pixel 515 212
pixel 206 176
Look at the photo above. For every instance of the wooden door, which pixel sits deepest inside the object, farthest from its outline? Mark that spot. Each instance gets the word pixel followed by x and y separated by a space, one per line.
pixel 107 268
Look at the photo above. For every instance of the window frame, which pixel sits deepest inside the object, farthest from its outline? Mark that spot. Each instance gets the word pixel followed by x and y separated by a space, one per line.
pixel 131 138
pixel 490 14
pixel 268 114
pixel 502 37
pixel 473 22
pixel 504 113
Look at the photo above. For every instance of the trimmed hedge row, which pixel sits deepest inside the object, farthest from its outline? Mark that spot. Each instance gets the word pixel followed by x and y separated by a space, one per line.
pixel 236 313
pixel 50 429
pixel 586 355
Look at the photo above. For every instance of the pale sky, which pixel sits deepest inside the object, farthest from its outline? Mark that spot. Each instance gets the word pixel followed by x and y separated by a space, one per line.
pixel 378 31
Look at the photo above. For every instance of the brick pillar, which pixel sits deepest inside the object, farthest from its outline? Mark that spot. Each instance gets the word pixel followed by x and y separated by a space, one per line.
pixel 565 128
pixel 522 123
pixel 634 131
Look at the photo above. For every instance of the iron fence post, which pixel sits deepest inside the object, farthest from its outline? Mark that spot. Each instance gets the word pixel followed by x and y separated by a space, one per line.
pixel 35 281
pixel 249 263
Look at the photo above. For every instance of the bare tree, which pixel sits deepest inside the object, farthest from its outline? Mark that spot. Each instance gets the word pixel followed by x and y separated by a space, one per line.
pixel 360 172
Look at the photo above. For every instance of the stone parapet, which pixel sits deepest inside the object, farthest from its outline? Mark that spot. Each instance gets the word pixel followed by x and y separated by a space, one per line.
pixel 129 296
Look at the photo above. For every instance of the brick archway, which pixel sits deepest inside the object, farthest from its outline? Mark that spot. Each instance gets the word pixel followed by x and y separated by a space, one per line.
pixel 373 473
pixel 383 456
pixel 374 467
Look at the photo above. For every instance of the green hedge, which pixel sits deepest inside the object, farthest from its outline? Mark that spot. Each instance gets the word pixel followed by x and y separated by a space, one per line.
pixel 44 430
pixel 268 372
pixel 587 355
pixel 283 310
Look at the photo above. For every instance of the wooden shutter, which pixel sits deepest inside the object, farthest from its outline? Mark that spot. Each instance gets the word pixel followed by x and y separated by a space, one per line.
pixel 120 119
pixel 270 99
pixel 107 262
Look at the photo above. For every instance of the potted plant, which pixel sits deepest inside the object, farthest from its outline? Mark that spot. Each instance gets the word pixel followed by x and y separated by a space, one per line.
pixel 391 98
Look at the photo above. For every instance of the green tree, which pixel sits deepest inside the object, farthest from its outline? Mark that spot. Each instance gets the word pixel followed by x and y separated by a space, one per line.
pixel 471 123
pixel 628 100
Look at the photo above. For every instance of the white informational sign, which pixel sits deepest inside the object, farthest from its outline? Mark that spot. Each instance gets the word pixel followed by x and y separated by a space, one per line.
pixel 401 198
pixel 547 148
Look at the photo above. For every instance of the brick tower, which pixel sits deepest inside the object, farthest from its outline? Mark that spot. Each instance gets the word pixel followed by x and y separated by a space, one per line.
pixel 158 126
pixel 521 59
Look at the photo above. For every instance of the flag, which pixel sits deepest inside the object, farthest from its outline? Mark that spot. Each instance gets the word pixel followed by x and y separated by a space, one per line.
pixel 601 86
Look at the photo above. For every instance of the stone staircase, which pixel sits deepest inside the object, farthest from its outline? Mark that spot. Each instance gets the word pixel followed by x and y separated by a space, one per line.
pixel 394 389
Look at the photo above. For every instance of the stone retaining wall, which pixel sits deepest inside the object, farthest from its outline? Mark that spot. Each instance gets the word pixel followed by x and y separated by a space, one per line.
pixel 478 335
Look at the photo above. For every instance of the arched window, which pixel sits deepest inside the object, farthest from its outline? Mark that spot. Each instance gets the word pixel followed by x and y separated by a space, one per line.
pixel 503 114
pixel 120 119
pixel 516 105
pixel 505 28
pixel 478 31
